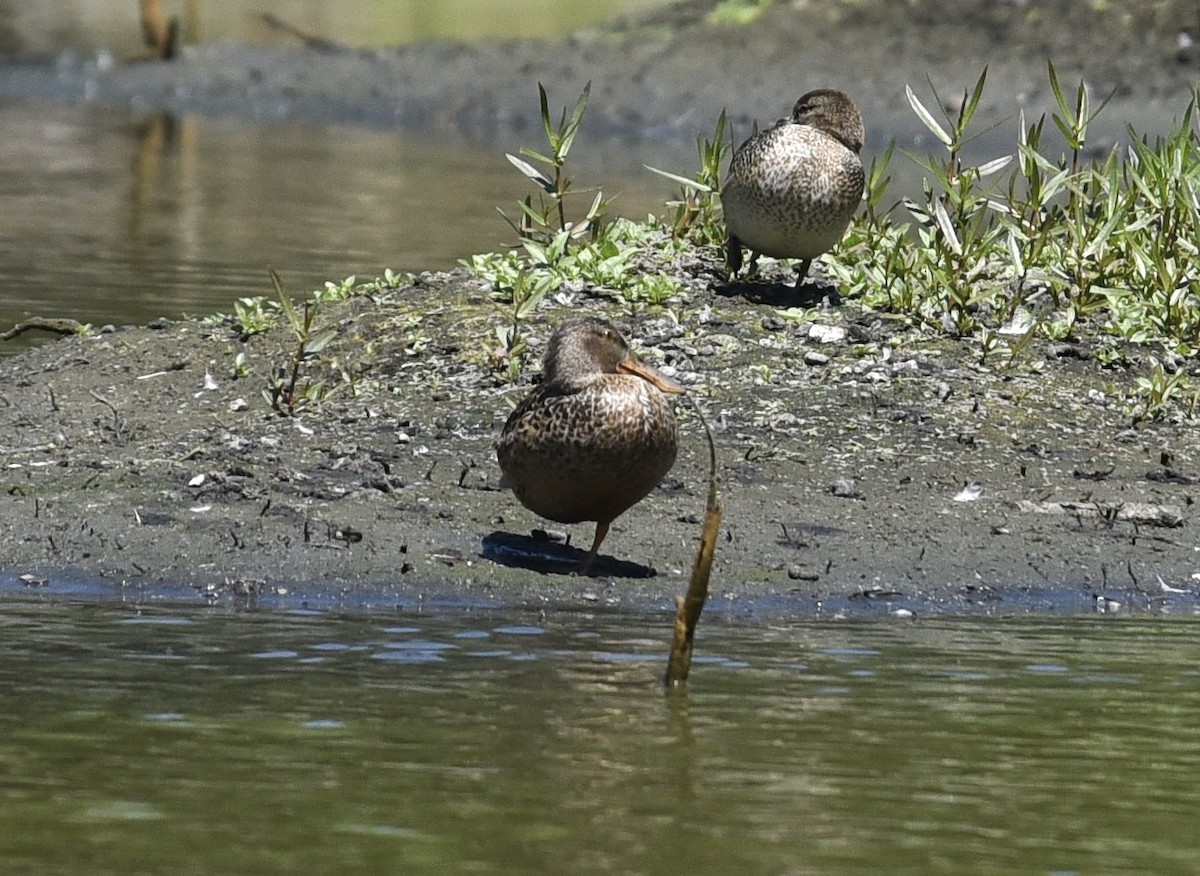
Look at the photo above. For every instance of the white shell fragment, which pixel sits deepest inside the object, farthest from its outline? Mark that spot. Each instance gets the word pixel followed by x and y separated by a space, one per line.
pixel 969 493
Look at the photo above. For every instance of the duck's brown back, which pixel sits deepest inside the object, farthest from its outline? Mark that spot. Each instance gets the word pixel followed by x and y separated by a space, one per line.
pixel 591 454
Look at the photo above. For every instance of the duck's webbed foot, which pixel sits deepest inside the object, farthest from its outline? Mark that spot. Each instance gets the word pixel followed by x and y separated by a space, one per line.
pixel 733 256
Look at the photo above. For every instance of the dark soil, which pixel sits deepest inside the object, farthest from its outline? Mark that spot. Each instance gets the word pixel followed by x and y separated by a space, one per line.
pixel 138 458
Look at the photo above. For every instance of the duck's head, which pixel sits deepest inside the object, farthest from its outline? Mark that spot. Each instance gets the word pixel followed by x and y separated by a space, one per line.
pixel 834 113
pixel 584 347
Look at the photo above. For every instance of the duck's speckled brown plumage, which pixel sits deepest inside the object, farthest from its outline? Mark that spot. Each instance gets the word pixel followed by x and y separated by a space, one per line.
pixel 596 437
pixel 792 189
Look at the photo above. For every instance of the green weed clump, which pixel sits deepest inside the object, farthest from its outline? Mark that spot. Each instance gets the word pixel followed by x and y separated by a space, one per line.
pixel 1041 242
pixel 696 212
pixel 1034 244
pixel 547 222
pixel 290 388
pixel 557 254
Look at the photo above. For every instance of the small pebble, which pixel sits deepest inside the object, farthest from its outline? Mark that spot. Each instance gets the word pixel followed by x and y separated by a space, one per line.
pixel 812 357
pixel 844 488
pixel 826 334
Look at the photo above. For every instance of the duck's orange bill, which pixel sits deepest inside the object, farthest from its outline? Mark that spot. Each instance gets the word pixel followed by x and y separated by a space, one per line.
pixel 633 365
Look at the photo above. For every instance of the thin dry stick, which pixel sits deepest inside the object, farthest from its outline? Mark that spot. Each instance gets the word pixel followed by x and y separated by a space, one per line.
pixel 688 608
pixel 310 38
pixel 160 34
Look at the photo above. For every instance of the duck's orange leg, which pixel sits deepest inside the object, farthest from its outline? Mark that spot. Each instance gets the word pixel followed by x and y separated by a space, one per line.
pixel 585 568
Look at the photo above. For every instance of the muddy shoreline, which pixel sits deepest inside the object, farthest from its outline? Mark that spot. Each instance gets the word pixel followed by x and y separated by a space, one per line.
pixel 146 459
pixel 140 458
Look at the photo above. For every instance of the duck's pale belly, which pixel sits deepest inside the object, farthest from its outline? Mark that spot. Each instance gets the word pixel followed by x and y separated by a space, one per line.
pixel 791 192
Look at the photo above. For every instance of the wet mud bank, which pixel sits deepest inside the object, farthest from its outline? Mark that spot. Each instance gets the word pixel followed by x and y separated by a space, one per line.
pixel 864 469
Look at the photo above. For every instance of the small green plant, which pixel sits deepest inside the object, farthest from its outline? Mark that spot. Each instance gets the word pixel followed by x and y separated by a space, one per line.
pixel 525 294
pixel 651 289
pixel 285 391
pixel 252 315
pixel 611 264
pixel 548 219
pixel 1158 390
pixel 955 224
pixel 762 373
pixel 696 212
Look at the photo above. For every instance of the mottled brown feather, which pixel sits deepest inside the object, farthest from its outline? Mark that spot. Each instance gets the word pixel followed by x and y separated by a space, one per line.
pixel 792 189
pixel 592 440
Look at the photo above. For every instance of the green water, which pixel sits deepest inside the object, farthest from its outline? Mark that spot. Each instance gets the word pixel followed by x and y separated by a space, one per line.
pixel 113 25
pixel 168 739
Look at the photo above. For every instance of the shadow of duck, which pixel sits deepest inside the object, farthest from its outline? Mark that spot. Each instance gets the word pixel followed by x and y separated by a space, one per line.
pixel 554 558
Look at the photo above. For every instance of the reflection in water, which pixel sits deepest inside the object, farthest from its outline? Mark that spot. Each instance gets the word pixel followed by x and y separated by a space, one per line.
pixel 159 136
pixel 135 738
pixel 112 217
pixel 89 26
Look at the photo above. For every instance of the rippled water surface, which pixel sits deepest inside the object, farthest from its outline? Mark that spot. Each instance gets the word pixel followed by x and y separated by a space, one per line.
pixel 122 215
pixel 162 739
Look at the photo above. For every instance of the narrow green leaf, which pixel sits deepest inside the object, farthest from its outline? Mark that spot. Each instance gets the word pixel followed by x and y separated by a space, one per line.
pixel 511 224
pixel 544 102
pixel 1059 97
pixel 536 251
pixel 923 114
pixel 532 172
pixel 994 166
pixel 285 302
pixel 533 153
pixel 1015 252
pixel 1066 130
pixel 682 180
pixel 972 104
pixel 1082 117
pixel 946 226
pixel 593 212
pixel 320 341
pixel 572 127
pixel 919 213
